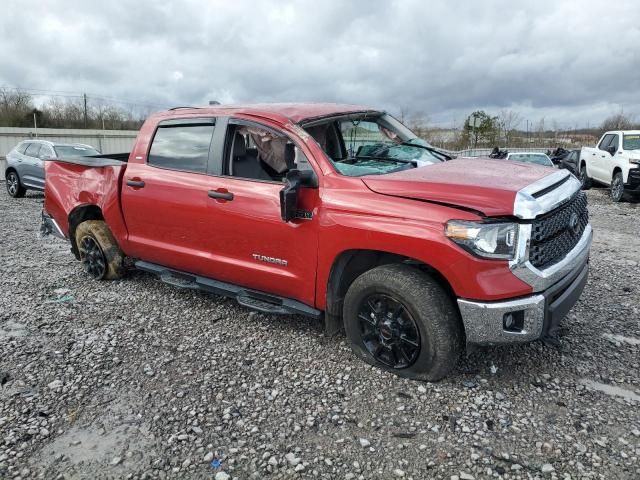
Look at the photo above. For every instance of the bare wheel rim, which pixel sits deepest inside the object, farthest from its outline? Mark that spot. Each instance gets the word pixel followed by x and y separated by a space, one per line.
pixel 617 188
pixel 92 257
pixel 388 331
pixel 12 184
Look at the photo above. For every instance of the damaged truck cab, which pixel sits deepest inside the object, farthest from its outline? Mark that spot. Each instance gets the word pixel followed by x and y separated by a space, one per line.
pixel 339 213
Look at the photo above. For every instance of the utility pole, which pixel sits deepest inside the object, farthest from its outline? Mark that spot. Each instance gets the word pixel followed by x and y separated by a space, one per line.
pixel 475 125
pixel 84 95
pixel 35 123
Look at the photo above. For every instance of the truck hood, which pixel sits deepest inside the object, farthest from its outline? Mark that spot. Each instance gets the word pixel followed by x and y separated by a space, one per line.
pixel 482 184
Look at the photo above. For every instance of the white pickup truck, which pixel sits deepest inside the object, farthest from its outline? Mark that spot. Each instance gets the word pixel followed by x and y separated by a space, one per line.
pixel 614 162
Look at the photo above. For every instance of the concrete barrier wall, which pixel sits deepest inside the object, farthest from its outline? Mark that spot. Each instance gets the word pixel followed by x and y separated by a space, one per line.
pixel 106 141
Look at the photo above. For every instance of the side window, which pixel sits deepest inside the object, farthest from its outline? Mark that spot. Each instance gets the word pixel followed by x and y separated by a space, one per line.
pixel 33 150
pixel 46 151
pixel 182 146
pixel 21 148
pixel 605 142
pixel 261 153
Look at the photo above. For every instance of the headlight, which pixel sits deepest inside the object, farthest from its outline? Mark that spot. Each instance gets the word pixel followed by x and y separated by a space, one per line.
pixel 489 240
pixel 635 160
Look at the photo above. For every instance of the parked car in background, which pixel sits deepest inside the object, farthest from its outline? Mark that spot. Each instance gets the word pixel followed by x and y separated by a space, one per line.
pixel 530 157
pixel 558 155
pixel 614 162
pixel 336 212
pixel 25 163
pixel 570 161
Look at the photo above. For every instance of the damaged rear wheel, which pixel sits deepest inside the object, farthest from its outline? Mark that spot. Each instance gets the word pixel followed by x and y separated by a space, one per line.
pixel 99 252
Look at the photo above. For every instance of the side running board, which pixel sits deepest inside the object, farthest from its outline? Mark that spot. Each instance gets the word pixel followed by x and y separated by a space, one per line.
pixel 260 301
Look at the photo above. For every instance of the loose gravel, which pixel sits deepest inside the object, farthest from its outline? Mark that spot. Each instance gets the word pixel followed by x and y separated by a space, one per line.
pixel 137 379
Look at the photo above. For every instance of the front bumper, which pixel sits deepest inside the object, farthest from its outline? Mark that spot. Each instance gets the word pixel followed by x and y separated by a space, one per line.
pixel 533 317
pixel 633 181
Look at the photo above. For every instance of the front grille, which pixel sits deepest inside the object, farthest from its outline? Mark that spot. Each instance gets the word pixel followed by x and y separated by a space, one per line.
pixel 553 235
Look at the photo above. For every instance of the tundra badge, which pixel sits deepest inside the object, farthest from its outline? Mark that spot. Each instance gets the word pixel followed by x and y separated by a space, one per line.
pixel 263 258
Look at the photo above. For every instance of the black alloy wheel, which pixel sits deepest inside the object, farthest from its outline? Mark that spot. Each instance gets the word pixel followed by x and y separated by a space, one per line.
pixel 92 257
pixel 388 331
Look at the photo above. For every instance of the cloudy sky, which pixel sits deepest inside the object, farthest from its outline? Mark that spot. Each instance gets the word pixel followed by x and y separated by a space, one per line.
pixel 572 62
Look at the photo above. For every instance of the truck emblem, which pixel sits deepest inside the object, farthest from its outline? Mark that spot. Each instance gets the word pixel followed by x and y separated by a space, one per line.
pixel 263 258
pixel 574 225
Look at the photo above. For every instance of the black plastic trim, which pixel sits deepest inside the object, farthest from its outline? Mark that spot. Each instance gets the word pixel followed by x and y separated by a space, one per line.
pixel 561 297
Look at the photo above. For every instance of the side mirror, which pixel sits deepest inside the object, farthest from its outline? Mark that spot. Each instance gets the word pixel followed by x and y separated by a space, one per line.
pixel 612 149
pixel 289 194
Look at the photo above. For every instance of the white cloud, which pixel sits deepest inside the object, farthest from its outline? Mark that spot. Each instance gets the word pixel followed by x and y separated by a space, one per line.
pixel 570 61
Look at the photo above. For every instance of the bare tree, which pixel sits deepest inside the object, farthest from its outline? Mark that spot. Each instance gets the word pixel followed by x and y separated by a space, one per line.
pixel 16 108
pixel 508 120
pixel 418 122
pixel 617 121
pixel 403 113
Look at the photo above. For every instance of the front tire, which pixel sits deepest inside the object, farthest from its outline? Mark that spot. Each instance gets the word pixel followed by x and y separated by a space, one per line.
pixel 14 187
pixel 401 320
pixel 617 187
pixel 99 252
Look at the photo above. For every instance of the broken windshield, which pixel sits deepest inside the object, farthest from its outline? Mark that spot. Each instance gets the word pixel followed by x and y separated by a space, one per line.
pixel 372 144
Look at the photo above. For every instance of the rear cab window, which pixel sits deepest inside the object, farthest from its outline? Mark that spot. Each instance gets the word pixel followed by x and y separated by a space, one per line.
pixel 182 144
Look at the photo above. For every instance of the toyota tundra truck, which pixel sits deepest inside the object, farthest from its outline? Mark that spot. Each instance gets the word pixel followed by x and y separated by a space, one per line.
pixel 338 213
pixel 614 162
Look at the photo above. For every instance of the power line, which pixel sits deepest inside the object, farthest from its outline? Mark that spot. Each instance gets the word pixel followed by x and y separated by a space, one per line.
pixel 68 94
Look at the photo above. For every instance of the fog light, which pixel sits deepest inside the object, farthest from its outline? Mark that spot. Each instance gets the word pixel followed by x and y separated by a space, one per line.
pixel 508 321
pixel 513 321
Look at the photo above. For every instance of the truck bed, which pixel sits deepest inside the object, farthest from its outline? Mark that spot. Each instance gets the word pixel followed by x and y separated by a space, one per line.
pixel 76 182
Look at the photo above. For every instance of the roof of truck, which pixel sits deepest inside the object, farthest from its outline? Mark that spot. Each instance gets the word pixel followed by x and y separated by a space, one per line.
pixel 295 112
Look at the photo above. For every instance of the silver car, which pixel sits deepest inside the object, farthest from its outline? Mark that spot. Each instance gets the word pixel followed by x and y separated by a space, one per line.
pixel 25 163
pixel 531 157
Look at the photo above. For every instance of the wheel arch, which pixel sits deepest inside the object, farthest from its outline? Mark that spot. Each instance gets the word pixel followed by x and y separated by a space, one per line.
pixel 350 264
pixel 78 215
pixel 617 169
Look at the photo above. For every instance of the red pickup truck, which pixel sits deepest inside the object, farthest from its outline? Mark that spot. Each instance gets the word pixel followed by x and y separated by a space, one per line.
pixel 339 213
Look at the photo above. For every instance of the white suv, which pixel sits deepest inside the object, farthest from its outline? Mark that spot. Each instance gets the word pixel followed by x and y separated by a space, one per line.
pixel 614 162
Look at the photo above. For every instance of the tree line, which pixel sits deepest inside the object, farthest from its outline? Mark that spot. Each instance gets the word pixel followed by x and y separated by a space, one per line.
pixel 509 129
pixel 18 109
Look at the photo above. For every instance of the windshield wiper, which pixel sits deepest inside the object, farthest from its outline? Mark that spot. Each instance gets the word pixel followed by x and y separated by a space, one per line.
pixel 384 159
pixel 430 149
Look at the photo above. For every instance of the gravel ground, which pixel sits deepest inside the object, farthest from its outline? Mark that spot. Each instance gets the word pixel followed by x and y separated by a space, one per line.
pixel 137 379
